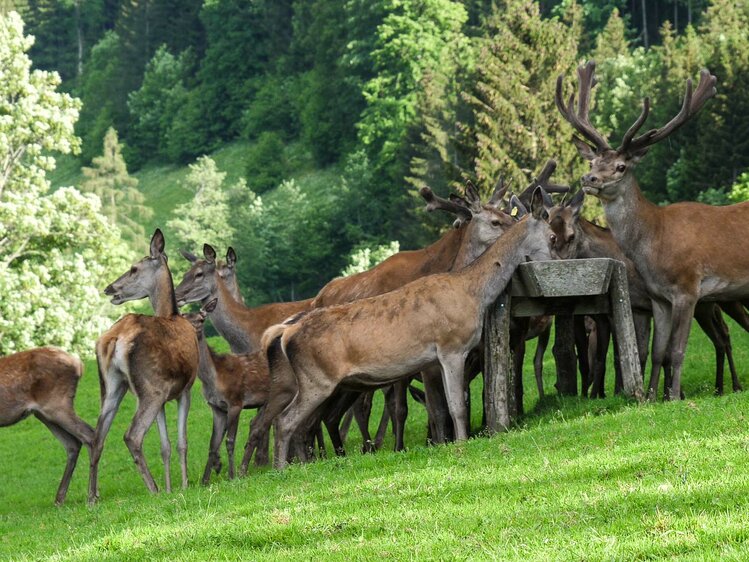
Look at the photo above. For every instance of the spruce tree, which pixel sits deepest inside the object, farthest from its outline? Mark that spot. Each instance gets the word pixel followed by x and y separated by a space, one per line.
pixel 121 201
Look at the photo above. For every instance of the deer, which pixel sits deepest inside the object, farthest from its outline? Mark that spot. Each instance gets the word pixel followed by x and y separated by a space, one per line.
pixel 575 237
pixel 155 357
pixel 230 384
pixel 437 319
pixel 43 381
pixel 685 251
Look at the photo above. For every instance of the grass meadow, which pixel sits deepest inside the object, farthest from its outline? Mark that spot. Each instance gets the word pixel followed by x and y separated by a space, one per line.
pixel 576 480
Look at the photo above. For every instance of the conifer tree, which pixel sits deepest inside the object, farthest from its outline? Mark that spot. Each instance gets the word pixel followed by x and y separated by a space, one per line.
pixel 121 201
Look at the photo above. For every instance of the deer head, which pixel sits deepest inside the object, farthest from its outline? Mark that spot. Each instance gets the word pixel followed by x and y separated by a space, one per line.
pixel 197 319
pixel 609 167
pixel 199 283
pixel 143 276
pixel 564 220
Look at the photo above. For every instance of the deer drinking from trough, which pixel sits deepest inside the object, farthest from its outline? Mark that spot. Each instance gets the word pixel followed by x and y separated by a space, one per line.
pixel 43 382
pixel 230 383
pixel 156 357
pixel 575 237
pixel 376 341
pixel 684 251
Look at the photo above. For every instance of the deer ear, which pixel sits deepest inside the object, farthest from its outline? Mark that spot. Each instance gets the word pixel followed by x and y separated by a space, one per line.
pixel 189 256
pixel 209 253
pixel 517 209
pixel 584 149
pixel 541 204
pixel 157 243
pixel 211 306
pixel 576 203
pixel 231 257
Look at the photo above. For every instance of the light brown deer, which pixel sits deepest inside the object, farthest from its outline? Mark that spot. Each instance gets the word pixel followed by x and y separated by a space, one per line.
pixel 575 237
pixel 43 381
pixel 375 341
pixel 156 357
pixel 230 384
pixel 686 251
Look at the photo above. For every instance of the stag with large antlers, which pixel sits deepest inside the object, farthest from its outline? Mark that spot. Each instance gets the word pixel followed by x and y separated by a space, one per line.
pixel 686 251
pixel 372 342
pixel 575 237
pixel 43 382
pixel 156 357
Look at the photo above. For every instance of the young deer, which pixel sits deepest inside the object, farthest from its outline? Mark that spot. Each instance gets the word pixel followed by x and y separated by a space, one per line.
pixel 230 384
pixel 686 251
pixel 156 357
pixel 575 237
pixel 43 382
pixel 373 342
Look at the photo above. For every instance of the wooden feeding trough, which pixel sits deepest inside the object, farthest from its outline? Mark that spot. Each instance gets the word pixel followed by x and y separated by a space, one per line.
pixel 563 288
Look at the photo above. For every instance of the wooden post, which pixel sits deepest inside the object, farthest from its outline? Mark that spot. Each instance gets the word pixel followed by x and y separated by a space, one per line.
pixel 624 328
pixel 564 354
pixel 499 388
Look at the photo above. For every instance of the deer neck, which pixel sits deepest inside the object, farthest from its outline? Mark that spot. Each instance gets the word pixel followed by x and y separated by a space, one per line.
pixel 206 367
pixel 162 294
pixel 632 218
pixel 226 318
pixel 491 272
pixel 442 254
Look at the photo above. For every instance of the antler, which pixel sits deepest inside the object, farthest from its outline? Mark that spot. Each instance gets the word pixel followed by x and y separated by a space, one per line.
pixel 542 180
pixel 435 202
pixel 691 105
pixel 500 189
pixel 586 80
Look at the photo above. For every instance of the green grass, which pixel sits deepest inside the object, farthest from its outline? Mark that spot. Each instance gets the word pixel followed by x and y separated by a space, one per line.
pixel 577 480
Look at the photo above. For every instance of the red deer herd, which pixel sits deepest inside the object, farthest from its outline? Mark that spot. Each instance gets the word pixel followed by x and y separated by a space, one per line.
pixel 417 315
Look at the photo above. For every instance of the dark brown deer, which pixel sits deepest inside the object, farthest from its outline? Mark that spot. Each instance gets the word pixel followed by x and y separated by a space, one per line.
pixel 43 382
pixel 686 251
pixel 230 384
pixel 575 237
pixel 156 357
pixel 373 342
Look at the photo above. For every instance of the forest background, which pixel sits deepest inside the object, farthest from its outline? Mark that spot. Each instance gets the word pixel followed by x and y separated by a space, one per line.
pixel 299 131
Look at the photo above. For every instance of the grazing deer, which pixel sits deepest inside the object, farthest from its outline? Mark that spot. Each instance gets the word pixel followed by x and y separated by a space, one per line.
pixel 230 383
pixel 156 357
pixel 686 251
pixel 376 341
pixel 574 237
pixel 43 382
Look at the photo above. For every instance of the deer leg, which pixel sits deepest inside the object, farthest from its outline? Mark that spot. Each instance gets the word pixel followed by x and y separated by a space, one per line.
pixel 72 447
pixel 722 328
pixel 262 456
pixel 384 421
pixel 232 423
pixel 183 408
pixel 144 417
pixel 362 410
pixel 707 316
pixel 302 406
pixel 166 448
pixel 681 318
pixel 217 435
pixel 581 344
pixel 661 333
pixel 517 365
pixel 538 359
pixel 642 334
pixel 452 378
pixel 436 404
pixel 401 411
pixel 113 394
pixel 603 337
pixel 348 418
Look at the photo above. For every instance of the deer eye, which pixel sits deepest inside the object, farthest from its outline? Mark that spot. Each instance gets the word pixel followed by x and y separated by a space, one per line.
pixel 496 222
pixel 133 270
pixel 572 237
pixel 198 274
pixel 553 238
pixel 620 167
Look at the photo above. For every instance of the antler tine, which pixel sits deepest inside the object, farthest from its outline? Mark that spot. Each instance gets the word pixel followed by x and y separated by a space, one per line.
pixel 435 202
pixel 500 190
pixel 542 180
pixel 692 103
pixel 636 125
pixel 586 82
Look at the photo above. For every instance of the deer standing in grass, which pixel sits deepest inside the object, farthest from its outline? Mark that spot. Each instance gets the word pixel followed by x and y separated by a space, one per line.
pixel 575 237
pixel 685 251
pixel 43 381
pixel 230 383
pixel 376 341
pixel 156 357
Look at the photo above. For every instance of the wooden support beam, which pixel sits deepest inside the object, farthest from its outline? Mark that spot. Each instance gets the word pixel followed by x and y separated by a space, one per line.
pixel 499 386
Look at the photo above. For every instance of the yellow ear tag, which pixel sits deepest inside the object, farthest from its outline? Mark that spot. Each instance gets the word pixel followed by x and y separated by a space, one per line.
pixel 514 212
